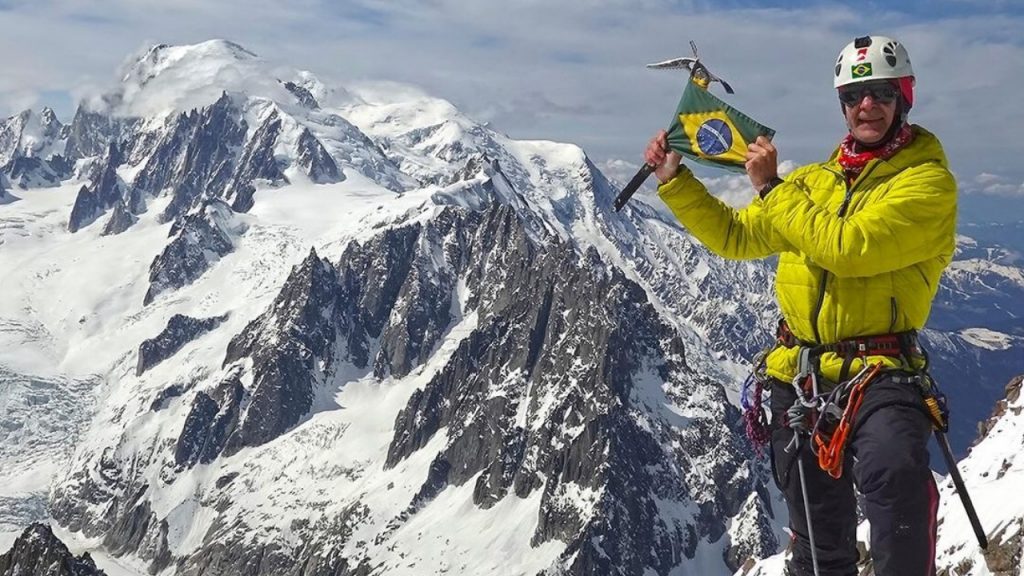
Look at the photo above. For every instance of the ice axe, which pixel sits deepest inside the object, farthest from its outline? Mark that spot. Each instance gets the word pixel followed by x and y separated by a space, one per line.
pixel 699 73
pixel 715 133
pixel 961 489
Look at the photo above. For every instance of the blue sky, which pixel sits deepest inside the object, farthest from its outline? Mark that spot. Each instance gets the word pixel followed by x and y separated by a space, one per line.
pixel 571 71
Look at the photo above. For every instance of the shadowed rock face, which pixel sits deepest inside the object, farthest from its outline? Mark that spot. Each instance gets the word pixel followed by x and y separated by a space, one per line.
pixel 560 386
pixel 86 210
pixel 31 155
pixel 90 134
pixel 120 220
pixel 256 161
pixel 315 160
pixel 198 240
pixel 210 423
pixel 286 344
pixel 104 191
pixel 180 330
pixel 542 396
pixel 304 96
pixel 37 552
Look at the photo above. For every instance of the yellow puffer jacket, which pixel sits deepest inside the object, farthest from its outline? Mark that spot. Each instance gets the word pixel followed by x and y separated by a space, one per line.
pixel 853 261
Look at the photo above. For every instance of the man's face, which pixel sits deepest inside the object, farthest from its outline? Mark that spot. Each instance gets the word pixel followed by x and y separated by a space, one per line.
pixel 870 108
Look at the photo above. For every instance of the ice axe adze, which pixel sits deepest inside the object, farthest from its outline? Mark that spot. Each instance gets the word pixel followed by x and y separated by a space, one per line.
pixel 699 75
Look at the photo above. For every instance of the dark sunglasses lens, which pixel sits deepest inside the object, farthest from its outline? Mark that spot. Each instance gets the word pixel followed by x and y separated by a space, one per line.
pixel 850 97
pixel 884 94
pixel 881 94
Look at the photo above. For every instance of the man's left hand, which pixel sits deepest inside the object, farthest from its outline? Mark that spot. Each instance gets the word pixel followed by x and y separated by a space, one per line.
pixel 762 162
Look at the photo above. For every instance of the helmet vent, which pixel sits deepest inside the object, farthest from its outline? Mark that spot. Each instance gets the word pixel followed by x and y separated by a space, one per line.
pixel 890 54
pixel 862 42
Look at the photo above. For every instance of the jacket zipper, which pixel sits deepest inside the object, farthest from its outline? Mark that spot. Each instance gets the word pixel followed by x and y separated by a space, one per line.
pixel 841 213
pixel 895 314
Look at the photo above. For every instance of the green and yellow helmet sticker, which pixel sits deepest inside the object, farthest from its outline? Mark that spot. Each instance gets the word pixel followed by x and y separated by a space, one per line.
pixel 862 70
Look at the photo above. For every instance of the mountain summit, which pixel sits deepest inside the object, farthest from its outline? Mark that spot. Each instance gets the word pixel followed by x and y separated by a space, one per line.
pixel 257 324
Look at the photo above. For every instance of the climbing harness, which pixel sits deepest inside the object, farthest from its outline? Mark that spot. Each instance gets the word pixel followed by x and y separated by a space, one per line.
pixel 844 401
pixel 828 420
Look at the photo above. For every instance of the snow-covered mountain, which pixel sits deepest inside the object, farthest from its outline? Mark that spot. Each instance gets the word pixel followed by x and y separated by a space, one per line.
pixel 39 552
pixel 256 324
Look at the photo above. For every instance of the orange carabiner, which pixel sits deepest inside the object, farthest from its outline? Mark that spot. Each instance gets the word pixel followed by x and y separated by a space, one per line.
pixel 831 450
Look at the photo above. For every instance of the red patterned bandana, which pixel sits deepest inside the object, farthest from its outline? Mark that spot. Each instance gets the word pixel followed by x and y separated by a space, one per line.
pixel 854 162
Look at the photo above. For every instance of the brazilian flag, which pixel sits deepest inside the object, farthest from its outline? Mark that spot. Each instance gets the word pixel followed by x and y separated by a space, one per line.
pixel 711 132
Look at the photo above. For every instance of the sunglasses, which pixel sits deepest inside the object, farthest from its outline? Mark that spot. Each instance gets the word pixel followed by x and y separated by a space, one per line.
pixel 880 92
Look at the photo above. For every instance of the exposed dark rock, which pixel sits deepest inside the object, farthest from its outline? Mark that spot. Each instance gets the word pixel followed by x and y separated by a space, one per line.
pixel 1012 393
pixel 304 96
pixel 226 552
pixel 135 202
pixel 180 330
pixel 437 480
pixel 90 134
pixel 107 185
pixel 359 152
pixel 37 552
pixel 208 159
pixel 105 191
pixel 103 485
pixel 11 130
pixel 225 480
pixel 212 419
pixel 137 530
pixel 27 145
pixel 164 397
pixel 569 359
pixel 257 162
pixel 160 172
pixel 315 160
pixel 756 537
pixel 568 383
pixel 86 210
pixel 242 197
pixel 371 277
pixel 31 172
pixel 286 343
pixel 1006 550
pixel 120 220
pixel 199 240
pixel 398 288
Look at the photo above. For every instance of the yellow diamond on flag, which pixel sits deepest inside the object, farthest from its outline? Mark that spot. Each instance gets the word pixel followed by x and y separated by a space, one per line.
pixel 862 70
pixel 709 131
pixel 714 136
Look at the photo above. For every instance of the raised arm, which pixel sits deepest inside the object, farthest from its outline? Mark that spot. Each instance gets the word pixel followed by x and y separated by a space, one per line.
pixel 736 234
pixel 914 221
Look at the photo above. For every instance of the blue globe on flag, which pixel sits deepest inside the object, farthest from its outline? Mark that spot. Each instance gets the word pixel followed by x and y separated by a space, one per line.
pixel 714 137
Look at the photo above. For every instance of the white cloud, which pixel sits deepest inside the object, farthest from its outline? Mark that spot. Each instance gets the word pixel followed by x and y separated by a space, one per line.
pixel 570 71
pixel 993 185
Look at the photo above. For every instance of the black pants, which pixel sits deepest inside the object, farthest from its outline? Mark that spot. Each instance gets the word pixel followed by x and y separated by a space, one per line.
pixel 887 457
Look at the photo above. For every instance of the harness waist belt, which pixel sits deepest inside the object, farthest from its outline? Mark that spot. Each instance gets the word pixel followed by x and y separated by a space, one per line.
pixel 897 344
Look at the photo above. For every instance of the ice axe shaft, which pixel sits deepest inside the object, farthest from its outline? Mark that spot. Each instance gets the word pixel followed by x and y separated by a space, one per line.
pixel 958 481
pixel 699 75
pixel 634 185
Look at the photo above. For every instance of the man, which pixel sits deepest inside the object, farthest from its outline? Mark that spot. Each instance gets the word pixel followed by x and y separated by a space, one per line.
pixel 862 240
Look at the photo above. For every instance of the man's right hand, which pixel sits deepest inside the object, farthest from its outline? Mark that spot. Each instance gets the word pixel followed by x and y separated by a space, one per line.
pixel 665 161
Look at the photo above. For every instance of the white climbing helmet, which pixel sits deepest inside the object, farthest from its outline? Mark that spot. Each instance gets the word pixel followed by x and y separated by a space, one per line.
pixel 872 58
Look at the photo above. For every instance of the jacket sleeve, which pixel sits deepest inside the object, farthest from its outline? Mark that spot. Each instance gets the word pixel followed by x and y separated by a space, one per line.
pixel 735 234
pixel 914 221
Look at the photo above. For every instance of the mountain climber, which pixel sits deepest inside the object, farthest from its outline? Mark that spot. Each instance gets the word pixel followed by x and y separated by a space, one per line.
pixel 862 240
